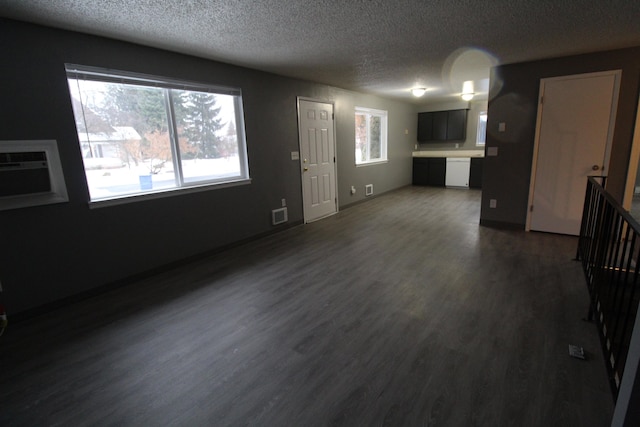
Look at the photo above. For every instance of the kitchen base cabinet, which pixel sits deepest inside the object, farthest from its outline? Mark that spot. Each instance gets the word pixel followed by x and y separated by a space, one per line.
pixel 475 173
pixel 429 171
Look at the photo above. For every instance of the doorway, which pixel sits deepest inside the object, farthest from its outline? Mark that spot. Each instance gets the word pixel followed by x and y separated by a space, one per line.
pixel 576 116
pixel 317 159
pixel 632 190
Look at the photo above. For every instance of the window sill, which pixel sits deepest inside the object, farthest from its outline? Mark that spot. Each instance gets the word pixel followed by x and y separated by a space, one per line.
pixel 378 162
pixel 159 194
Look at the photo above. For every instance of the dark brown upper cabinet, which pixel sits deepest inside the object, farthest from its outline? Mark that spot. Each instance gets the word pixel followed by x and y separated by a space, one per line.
pixel 438 126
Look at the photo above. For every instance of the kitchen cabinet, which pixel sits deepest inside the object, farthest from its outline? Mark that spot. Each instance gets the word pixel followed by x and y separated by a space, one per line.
pixel 442 126
pixel 475 173
pixel 425 126
pixel 433 171
pixel 429 171
pixel 457 125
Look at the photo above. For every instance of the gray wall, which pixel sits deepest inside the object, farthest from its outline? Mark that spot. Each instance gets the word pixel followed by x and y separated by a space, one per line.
pixel 513 99
pixel 53 252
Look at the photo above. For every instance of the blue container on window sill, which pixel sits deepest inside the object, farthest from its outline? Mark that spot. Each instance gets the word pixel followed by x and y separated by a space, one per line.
pixel 145 182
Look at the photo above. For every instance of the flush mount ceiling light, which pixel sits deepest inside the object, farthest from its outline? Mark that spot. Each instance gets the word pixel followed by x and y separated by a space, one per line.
pixel 418 91
pixel 467 91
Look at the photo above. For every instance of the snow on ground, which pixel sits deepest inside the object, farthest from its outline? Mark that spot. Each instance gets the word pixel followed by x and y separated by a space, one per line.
pixel 111 182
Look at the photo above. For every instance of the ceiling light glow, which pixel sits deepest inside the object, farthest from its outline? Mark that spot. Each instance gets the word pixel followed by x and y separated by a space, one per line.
pixel 467 91
pixel 418 91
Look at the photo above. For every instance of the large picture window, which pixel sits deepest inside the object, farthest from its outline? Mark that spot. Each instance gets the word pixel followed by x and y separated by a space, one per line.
pixel 371 136
pixel 141 134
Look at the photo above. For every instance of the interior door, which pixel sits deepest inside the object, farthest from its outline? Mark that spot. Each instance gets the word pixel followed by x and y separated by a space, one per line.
pixel 317 159
pixel 576 115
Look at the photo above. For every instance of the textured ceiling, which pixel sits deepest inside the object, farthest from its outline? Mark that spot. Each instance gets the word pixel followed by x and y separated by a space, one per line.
pixel 373 46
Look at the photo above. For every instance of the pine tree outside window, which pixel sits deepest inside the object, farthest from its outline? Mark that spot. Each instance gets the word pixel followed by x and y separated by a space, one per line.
pixel 142 135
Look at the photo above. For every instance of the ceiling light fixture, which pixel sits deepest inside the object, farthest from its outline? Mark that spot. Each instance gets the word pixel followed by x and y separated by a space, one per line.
pixel 418 91
pixel 467 91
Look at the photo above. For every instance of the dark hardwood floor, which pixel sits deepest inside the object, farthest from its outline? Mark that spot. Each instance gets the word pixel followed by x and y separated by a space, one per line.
pixel 401 311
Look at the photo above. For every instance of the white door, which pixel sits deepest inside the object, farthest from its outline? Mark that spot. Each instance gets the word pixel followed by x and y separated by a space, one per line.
pixel 576 115
pixel 317 159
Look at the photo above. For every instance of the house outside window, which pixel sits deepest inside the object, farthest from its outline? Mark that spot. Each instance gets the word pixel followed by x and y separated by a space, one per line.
pixel 143 135
pixel 481 136
pixel 371 136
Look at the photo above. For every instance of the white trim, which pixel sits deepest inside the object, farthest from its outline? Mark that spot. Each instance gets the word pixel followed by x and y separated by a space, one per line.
pixel 480 113
pixel 372 163
pixel 161 194
pixel 78 73
pixel 632 170
pixel 335 154
pixel 384 134
pixel 614 108
pixel 84 72
pixel 373 111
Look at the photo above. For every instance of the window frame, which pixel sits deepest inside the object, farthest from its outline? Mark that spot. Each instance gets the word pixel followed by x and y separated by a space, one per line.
pixel 384 125
pixel 481 137
pixel 182 186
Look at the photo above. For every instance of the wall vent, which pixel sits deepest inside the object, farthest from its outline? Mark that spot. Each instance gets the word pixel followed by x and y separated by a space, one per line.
pixel 368 190
pixel 278 216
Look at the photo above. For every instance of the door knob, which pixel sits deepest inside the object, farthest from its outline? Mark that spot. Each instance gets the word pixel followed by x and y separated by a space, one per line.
pixel 595 167
pixel 306 169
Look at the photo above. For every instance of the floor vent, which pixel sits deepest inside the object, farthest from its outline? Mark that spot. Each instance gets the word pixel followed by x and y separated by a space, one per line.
pixel 278 216
pixel 368 190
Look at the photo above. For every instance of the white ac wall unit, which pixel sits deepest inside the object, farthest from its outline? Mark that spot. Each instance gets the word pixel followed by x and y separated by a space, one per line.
pixel 30 174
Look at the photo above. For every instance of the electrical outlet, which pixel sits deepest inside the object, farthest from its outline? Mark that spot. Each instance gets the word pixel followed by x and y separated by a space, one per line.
pixel 493 203
pixel 284 203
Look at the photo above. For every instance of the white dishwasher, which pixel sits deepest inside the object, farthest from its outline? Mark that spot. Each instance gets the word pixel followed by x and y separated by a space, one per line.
pixel 457 174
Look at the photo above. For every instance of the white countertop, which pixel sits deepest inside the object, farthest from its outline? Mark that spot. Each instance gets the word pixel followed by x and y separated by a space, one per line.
pixel 449 153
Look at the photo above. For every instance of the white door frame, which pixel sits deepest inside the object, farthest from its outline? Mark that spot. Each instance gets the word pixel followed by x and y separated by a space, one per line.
pixel 536 143
pixel 634 160
pixel 335 153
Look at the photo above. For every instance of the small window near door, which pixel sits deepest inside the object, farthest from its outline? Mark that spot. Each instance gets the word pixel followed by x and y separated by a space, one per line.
pixel 371 136
pixel 482 129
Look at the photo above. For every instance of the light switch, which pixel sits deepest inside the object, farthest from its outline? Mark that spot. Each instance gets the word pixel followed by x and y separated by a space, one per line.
pixel 492 151
pixel 502 126
pixel 295 155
